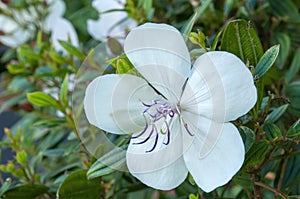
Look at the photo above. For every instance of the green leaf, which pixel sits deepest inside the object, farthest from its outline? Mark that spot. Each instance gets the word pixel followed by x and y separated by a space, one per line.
pixel 26 51
pixel 108 163
pixel 63 95
pixel 57 57
pixel 21 157
pixel 284 8
pixel 272 131
pixel 257 153
pixel 294 68
pixel 293 94
pixel 294 130
pixel 248 137
pixel 266 61
pixel 241 39
pixel 72 50
pixel 276 113
pixel 5 186
pixel 284 41
pixel 114 46
pixel 190 23
pixel 244 180
pixel 16 68
pixel 198 38
pixel 77 186
pixel 28 191
pixel 41 99
pixel 216 40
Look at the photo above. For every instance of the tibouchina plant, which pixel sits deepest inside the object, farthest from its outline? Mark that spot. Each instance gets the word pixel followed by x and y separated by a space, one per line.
pixel 21 26
pixel 178 114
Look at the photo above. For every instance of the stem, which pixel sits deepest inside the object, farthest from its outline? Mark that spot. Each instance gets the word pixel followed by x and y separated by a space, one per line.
pixel 283 168
pixel 275 191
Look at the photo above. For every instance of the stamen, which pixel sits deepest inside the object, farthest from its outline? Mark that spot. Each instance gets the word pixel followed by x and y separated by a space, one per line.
pixel 155 142
pixel 144 130
pixel 187 129
pixel 168 135
pixel 145 140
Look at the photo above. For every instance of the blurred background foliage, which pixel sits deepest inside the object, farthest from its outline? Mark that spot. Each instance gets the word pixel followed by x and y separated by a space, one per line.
pixel 36 82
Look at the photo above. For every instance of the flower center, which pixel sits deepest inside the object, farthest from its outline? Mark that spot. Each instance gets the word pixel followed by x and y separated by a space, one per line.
pixel 159 109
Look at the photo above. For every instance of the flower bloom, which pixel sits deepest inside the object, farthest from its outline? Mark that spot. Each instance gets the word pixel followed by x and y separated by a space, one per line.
pixel 177 115
pixel 110 23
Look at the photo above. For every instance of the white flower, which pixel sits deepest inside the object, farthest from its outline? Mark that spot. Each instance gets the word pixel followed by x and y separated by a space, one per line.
pixel 22 27
pixel 109 24
pixel 178 115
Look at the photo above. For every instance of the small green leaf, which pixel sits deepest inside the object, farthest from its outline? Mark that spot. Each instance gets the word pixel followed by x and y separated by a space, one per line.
pixel 28 191
pixel 276 113
pixel 241 39
pixel 248 137
pixel 72 50
pixel 114 46
pixel 272 131
pixel 216 40
pixel 63 96
pixel 21 157
pixel 57 57
pixel 108 163
pixel 294 130
pixel 41 99
pixel 257 153
pixel 77 186
pixel 191 21
pixel 294 68
pixel 26 51
pixel 266 61
pixel 193 196
pixel 16 68
pixel 198 38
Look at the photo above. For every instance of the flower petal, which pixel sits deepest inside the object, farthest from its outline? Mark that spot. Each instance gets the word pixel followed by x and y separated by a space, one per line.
pixel 110 24
pixel 221 164
pixel 114 103
pixel 163 168
pixel 221 87
pixel 159 53
pixel 63 30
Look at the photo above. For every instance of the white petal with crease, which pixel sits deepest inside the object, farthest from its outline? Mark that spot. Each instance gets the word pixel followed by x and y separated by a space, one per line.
pixel 113 103
pixel 222 87
pixel 159 53
pixel 224 160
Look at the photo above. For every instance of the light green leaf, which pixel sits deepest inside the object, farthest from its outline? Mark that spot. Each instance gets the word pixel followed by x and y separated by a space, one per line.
pixel 266 61
pixel 57 57
pixel 41 99
pixel 108 163
pixel 63 95
pixel 241 39
pixel 77 186
pixel 186 30
pixel 28 191
pixel 276 113
pixel 72 50
pixel 294 68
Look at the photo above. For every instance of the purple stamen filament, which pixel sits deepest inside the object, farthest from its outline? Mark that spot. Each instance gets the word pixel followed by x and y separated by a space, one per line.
pixel 159 109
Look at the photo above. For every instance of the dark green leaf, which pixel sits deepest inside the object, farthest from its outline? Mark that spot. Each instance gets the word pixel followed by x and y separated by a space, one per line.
pixel 72 50
pixel 41 99
pixel 241 39
pixel 77 186
pixel 257 153
pixel 276 113
pixel 108 163
pixel 294 130
pixel 285 44
pixel 266 61
pixel 272 131
pixel 294 68
pixel 248 137
pixel 284 8
pixel 5 186
pixel 28 191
